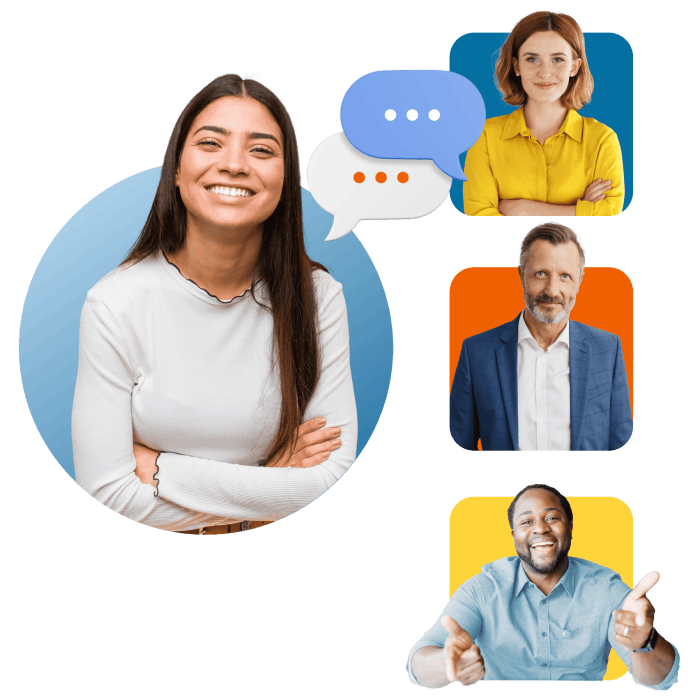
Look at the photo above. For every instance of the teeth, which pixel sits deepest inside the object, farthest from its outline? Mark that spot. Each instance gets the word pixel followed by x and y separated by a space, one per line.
pixel 230 191
pixel 544 544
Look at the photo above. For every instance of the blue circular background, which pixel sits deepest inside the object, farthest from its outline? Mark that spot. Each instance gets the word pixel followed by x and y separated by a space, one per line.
pixel 96 240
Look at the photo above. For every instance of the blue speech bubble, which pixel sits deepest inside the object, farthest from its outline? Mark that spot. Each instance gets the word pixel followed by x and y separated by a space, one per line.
pixel 414 114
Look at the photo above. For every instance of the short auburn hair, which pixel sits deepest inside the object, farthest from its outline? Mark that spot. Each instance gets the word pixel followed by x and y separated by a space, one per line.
pixel 580 88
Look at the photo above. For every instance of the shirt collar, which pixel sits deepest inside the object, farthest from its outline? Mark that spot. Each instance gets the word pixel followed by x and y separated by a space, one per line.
pixel 567 581
pixel 524 333
pixel 193 288
pixel 515 125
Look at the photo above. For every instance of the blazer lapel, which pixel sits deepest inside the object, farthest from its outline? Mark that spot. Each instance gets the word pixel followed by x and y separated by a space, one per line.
pixel 579 366
pixel 507 361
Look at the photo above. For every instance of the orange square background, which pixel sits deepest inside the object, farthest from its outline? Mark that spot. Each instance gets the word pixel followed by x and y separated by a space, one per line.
pixel 482 298
pixel 479 533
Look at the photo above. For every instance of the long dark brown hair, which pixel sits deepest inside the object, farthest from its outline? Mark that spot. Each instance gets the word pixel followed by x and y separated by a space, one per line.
pixel 283 264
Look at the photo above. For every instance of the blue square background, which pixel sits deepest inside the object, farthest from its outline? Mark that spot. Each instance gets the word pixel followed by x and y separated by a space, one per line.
pixel 610 60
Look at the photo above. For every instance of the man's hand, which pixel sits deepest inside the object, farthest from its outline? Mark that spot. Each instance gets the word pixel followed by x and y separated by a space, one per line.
pixel 634 621
pixel 463 661
pixel 513 207
pixel 145 464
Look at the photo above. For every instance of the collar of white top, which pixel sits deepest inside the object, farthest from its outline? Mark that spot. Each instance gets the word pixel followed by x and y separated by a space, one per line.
pixel 524 333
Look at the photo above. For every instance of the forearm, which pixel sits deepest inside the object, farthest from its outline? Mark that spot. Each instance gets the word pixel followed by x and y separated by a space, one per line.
pixel 544 209
pixel 245 492
pixel 429 669
pixel 651 668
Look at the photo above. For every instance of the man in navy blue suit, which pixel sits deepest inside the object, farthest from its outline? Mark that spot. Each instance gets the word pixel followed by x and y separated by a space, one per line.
pixel 543 381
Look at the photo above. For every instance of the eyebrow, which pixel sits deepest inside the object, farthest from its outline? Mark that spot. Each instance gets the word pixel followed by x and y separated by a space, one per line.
pixel 532 53
pixel 226 132
pixel 529 512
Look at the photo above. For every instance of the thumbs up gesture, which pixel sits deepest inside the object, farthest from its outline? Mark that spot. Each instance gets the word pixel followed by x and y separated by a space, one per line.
pixel 463 661
pixel 634 621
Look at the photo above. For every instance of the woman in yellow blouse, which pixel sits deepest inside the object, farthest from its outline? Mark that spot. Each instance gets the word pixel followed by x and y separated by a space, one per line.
pixel 544 159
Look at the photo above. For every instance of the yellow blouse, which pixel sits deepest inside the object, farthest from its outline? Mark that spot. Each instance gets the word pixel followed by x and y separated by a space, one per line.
pixel 508 162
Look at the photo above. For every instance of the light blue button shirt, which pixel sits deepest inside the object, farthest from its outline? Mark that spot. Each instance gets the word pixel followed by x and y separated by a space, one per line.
pixel 525 635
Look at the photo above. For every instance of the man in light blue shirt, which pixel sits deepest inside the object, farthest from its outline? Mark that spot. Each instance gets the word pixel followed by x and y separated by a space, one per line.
pixel 544 615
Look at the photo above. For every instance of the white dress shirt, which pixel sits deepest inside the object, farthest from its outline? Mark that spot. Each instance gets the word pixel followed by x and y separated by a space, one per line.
pixel 544 393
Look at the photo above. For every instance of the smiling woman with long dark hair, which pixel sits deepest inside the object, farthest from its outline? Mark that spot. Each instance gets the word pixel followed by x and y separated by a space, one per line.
pixel 218 350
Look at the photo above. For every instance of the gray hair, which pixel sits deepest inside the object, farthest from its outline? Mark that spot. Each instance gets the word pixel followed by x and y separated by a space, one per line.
pixel 556 234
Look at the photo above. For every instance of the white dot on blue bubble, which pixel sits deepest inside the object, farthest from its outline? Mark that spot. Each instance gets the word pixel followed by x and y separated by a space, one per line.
pixel 390 115
pixel 412 115
pixel 434 115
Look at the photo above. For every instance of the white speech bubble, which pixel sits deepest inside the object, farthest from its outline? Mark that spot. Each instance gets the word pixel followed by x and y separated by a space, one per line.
pixel 332 182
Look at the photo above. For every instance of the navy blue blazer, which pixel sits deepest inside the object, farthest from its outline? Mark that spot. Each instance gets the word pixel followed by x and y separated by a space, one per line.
pixel 484 397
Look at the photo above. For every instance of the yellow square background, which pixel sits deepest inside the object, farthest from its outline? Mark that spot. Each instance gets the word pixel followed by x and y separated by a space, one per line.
pixel 480 533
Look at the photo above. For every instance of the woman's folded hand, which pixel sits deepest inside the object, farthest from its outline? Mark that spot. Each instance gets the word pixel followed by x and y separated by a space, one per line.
pixel 145 464
pixel 595 192
pixel 314 446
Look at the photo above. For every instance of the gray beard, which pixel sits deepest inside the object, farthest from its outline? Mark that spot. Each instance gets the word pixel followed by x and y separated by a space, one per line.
pixel 547 318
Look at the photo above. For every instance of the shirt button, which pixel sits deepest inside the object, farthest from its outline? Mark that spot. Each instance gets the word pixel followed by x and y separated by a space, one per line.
pixel 544 634
pixel 544 663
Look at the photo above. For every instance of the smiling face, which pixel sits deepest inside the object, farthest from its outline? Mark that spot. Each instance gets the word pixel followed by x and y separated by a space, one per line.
pixel 550 280
pixel 231 170
pixel 546 64
pixel 541 531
